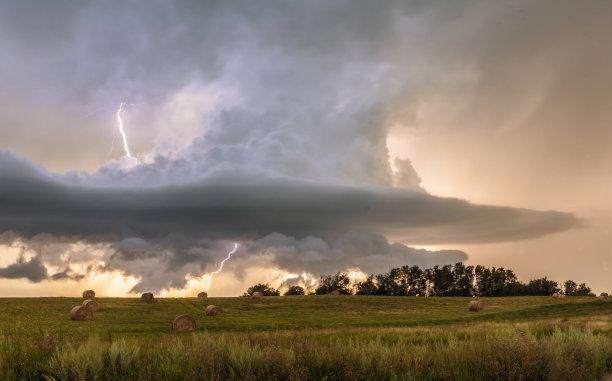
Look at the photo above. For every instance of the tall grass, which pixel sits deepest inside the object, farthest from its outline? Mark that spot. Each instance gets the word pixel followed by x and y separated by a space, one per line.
pixel 538 351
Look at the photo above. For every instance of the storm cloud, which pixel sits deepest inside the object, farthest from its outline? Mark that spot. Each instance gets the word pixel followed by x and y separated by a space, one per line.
pixel 32 269
pixel 264 124
pixel 237 207
pixel 165 229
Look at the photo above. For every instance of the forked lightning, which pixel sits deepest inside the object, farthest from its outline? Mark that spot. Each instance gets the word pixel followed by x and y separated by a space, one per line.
pixel 229 255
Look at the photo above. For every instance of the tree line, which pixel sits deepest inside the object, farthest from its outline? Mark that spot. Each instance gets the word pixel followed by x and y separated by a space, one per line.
pixel 447 280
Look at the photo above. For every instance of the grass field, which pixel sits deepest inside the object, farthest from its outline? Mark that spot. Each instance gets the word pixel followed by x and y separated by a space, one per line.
pixel 309 337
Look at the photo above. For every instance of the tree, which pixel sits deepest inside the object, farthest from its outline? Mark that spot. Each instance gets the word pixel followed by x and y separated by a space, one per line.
pixel 295 290
pixel 416 283
pixel 484 281
pixel 447 280
pixel 496 282
pixel 570 287
pixel 366 287
pixel 583 290
pixel 463 280
pixel 339 281
pixel 263 288
pixel 442 280
pixel 391 283
pixel 542 286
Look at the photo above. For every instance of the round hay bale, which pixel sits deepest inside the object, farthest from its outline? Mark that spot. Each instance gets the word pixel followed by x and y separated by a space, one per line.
pixel 335 292
pixel 476 305
pixel 88 294
pixel 604 297
pixel 91 304
pixel 562 296
pixel 184 323
pixel 257 295
pixel 147 297
pixel 202 294
pixel 214 311
pixel 80 313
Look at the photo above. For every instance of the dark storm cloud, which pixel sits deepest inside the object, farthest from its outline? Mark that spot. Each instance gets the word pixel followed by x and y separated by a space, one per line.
pixel 162 233
pixel 67 274
pixel 33 269
pixel 232 207
pixel 371 253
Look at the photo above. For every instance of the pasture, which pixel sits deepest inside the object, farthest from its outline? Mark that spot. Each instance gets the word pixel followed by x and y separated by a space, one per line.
pixel 309 337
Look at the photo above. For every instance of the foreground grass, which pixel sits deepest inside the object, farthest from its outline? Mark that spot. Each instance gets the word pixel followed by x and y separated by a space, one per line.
pixel 310 338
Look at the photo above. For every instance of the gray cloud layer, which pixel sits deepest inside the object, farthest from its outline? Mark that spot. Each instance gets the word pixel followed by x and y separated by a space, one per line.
pixel 238 207
pixel 161 233
pixel 32 269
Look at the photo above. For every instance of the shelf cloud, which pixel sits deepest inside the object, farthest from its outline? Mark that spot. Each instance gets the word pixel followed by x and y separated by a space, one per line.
pixel 167 222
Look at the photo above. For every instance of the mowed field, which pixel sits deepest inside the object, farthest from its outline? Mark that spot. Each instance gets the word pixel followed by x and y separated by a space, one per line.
pixel 309 338
pixel 126 317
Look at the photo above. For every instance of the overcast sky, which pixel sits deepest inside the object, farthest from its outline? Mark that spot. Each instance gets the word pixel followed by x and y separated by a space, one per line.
pixel 318 136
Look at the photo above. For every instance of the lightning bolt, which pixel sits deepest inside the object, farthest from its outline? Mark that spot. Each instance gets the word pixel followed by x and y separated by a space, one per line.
pixel 229 255
pixel 125 143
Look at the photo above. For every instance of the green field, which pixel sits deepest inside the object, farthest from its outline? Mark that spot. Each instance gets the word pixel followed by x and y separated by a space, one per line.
pixel 309 337
pixel 124 317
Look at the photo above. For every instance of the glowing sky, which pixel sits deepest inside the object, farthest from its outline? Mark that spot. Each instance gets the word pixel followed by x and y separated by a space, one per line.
pixel 321 136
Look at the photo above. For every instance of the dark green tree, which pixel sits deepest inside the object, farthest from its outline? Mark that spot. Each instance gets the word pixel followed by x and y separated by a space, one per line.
pixel 339 281
pixel 414 279
pixel 263 288
pixel 295 290
pixel 366 287
pixel 541 286
pixel 442 280
pixel 583 290
pixel 496 282
pixel 392 283
pixel 570 287
pixel 463 277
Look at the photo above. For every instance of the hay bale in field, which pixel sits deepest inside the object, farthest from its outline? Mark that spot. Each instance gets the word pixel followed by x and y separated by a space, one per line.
pixel 80 313
pixel 257 295
pixel 202 294
pixel 476 305
pixel 214 311
pixel 88 294
pixel 184 323
pixel 556 295
pixel 91 304
pixel 147 297
pixel 562 296
pixel 335 292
